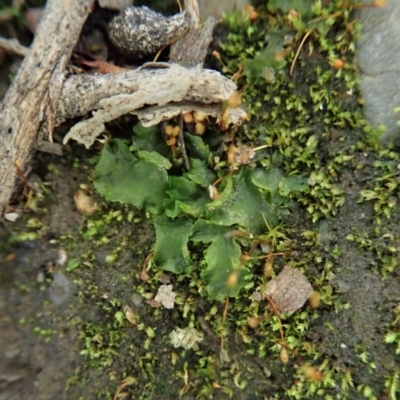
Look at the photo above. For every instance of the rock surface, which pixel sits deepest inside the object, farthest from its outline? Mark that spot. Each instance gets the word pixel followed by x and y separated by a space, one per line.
pixel 216 8
pixel 378 57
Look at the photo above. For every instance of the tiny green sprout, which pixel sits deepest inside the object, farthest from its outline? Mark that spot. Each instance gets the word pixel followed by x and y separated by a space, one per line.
pixel 53 168
pixel 151 333
pixel 130 216
pixel 24 237
pixel 130 380
pixel 228 391
pixel 392 335
pixel 241 384
pixel 120 317
pixel 392 385
pixel 367 392
pixel 72 264
pixel 273 235
pixel 44 333
pixel 111 258
pixel 346 381
pixel 174 358
pixel 34 223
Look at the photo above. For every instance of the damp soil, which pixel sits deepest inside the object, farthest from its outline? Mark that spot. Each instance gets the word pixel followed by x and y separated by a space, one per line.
pixel 60 338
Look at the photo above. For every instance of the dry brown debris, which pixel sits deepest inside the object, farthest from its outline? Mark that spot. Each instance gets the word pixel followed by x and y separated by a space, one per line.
pixel 289 290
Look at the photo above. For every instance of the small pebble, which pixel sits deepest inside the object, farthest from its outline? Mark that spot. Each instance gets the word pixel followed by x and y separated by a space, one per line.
pixel 140 31
pixel 137 299
pixel 60 289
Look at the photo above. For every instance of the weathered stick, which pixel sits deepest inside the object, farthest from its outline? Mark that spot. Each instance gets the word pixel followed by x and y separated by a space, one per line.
pixel 23 109
pixel 191 49
pixel 151 86
pixel 14 47
pixel 153 94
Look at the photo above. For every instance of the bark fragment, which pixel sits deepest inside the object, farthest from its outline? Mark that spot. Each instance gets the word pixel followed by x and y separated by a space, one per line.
pixel 289 290
pixel 153 94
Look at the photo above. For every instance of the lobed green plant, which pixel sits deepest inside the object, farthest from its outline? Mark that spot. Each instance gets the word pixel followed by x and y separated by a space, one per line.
pixel 179 202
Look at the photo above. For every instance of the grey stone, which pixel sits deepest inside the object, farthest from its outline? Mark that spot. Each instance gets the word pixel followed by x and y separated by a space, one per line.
pixel 378 57
pixel 60 290
pixel 115 4
pixel 216 8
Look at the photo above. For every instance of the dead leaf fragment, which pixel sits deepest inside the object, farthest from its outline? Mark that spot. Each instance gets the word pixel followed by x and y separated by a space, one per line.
pixel 166 296
pixel 130 315
pixel 103 67
pixel 11 216
pixel 165 279
pixel 154 304
pixel 144 276
pixel 186 338
pixel 85 204
pixel 289 290
pixel 284 355
pixel 311 373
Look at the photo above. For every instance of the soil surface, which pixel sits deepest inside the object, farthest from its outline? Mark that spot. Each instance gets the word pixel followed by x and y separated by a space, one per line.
pixel 51 345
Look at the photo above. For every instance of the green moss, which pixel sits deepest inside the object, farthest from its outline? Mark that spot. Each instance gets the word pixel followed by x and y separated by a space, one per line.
pixel 383 189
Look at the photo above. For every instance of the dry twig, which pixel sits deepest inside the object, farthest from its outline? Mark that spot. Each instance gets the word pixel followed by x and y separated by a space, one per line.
pixel 37 84
pixel 14 47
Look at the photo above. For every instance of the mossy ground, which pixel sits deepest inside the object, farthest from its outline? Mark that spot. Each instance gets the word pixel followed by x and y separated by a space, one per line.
pixel 342 232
